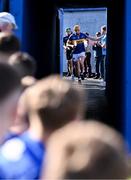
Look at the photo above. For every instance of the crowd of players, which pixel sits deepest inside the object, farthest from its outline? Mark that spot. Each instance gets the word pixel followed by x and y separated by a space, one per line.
pixel 78 53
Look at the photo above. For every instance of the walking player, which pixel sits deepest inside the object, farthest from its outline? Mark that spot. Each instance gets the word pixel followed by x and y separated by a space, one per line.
pixel 77 39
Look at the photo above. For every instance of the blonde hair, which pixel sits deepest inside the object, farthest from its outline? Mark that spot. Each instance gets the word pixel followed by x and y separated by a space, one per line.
pixel 76 27
pixel 9 43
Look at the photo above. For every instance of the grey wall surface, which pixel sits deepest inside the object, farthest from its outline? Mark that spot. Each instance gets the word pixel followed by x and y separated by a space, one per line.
pixel 90 21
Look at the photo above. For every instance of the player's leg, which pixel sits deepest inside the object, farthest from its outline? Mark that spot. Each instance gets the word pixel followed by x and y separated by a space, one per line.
pixel 77 66
pixel 85 66
pixel 78 70
pixel 68 63
pixel 89 64
pixel 81 61
pixel 71 68
pixel 68 70
pixel 97 75
pixel 103 67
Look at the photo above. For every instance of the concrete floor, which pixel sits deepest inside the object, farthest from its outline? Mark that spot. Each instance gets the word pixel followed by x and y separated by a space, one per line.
pixel 95 98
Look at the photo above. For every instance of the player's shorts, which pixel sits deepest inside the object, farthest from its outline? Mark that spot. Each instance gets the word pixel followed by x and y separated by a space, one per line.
pixel 69 54
pixel 76 57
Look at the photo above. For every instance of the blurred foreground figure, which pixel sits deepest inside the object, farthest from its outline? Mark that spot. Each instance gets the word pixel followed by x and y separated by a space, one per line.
pixel 86 150
pixel 50 104
pixel 10 91
pixel 25 65
pixel 7 22
pixel 9 44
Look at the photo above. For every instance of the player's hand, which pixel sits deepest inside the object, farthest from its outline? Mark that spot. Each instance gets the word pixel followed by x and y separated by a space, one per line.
pixel 74 46
pixel 99 44
pixel 67 48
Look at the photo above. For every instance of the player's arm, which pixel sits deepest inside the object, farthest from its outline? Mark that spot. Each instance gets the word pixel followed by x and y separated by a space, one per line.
pixel 70 43
pixel 99 44
pixel 64 44
pixel 94 38
pixel 103 45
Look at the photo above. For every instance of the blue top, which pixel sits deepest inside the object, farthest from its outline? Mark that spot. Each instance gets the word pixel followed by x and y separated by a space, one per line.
pixel 103 42
pixel 21 158
pixel 79 39
pixel 65 39
pixel 9 136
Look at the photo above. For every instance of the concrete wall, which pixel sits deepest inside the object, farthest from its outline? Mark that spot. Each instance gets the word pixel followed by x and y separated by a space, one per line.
pixel 90 21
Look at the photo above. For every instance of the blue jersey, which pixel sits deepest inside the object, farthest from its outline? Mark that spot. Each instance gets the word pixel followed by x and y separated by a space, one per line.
pixel 9 136
pixel 21 158
pixel 79 41
pixel 65 39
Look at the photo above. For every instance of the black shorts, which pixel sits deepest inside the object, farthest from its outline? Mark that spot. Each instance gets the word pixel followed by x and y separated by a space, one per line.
pixel 69 54
pixel 88 54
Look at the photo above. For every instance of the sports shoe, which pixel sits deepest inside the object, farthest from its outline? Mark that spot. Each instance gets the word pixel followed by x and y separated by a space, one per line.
pixel 96 77
pixel 72 77
pixel 82 77
pixel 79 80
pixel 68 74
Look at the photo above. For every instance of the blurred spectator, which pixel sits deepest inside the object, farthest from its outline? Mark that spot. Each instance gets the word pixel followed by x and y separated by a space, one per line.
pixel 25 65
pixel 20 123
pixel 9 44
pixel 7 22
pixel 10 91
pixel 86 150
pixel 50 103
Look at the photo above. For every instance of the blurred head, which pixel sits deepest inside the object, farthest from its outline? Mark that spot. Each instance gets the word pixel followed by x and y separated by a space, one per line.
pixel 25 66
pixel 77 29
pixel 7 22
pixel 9 44
pixel 23 63
pixel 86 150
pixel 103 30
pixel 68 31
pixel 10 91
pixel 55 102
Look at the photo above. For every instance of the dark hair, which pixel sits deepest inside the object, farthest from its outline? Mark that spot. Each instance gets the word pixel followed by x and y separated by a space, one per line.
pixel 98 33
pixel 104 28
pixel 9 43
pixel 23 63
pixel 68 29
pixel 87 33
pixel 9 80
